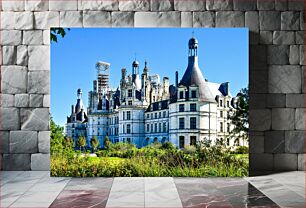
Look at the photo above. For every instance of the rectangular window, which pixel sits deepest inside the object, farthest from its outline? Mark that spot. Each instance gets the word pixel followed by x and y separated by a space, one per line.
pixel 164 127
pixel 181 94
pixel 128 140
pixel 128 115
pixel 155 127
pixel 148 115
pixel 148 127
pixel 151 128
pixel 164 114
pixel 130 102
pixel 159 127
pixel 228 105
pixel 221 114
pixel 193 122
pixel 128 128
pixel 221 103
pixel 181 123
pixel 181 107
pixel 155 115
pixel 123 117
pixel 182 142
pixel 193 107
pixel 228 127
pixel 151 115
pixel 193 140
pixel 159 115
pixel 130 93
pixel 193 94
pixel 221 126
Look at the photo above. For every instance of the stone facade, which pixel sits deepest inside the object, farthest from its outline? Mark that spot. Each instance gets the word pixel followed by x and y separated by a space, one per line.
pixel 276 66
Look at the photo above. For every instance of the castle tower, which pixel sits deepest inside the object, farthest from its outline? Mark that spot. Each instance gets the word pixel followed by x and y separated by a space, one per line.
pixel 193 74
pixel 135 75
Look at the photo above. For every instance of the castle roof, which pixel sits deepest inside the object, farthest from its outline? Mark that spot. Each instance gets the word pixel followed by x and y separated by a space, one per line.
pixel 194 76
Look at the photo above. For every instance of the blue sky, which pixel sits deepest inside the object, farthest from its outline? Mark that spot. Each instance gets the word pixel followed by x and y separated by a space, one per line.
pixel 223 56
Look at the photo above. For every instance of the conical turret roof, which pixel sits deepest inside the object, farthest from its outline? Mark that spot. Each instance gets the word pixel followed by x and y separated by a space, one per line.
pixel 194 76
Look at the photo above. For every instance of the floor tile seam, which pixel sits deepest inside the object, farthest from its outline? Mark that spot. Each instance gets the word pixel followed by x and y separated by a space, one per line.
pixel 178 192
pixel 144 194
pixel 113 180
pixel 273 199
pixel 60 191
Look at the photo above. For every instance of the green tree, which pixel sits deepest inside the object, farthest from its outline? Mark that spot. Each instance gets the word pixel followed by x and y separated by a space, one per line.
pixel 239 116
pixel 68 143
pixel 106 142
pixel 94 142
pixel 54 32
pixel 56 138
pixel 81 142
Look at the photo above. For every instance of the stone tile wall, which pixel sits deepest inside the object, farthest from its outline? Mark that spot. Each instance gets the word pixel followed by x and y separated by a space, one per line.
pixel 276 71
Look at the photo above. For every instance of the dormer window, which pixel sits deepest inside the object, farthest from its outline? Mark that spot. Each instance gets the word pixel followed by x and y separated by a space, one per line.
pixel 129 93
pixel 181 94
pixel 193 94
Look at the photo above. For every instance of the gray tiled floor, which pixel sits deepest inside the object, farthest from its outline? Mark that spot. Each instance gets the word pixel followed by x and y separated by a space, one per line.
pixel 38 189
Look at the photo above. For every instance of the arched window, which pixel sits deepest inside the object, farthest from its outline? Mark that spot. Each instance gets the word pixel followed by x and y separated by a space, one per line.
pixel 146 141
pixel 155 139
pixel 163 140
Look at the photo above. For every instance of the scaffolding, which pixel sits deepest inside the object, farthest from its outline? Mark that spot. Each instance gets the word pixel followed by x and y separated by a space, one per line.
pixel 102 77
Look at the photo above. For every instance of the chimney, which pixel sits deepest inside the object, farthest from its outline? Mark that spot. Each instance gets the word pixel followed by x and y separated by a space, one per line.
pixel 95 84
pixel 227 88
pixel 123 73
pixel 82 114
pixel 176 79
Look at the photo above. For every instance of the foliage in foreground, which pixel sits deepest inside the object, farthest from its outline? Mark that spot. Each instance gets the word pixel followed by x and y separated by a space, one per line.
pixel 123 159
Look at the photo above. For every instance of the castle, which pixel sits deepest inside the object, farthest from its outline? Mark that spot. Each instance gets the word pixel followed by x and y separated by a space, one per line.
pixel 144 109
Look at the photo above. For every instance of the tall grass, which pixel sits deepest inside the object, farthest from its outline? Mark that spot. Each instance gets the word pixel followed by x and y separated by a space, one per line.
pixel 152 162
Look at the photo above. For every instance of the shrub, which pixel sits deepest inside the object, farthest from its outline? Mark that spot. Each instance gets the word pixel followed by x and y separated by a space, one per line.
pixel 81 142
pixel 241 150
pixel 168 146
pixel 94 142
pixel 156 144
pixel 106 142
pixel 190 149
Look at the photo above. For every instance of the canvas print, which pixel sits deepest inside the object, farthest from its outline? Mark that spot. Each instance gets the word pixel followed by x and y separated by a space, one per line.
pixel 149 102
